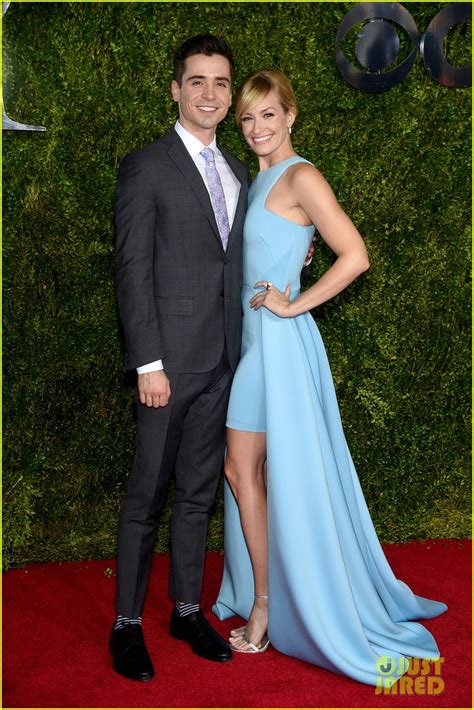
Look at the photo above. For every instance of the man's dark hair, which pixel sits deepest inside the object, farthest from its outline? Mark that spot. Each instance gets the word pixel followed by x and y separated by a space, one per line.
pixel 200 44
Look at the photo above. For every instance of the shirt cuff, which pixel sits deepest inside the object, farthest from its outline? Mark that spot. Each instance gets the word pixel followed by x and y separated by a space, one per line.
pixel 151 367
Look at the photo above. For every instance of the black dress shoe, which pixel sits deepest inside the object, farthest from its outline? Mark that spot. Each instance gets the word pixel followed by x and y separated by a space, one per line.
pixel 130 655
pixel 197 631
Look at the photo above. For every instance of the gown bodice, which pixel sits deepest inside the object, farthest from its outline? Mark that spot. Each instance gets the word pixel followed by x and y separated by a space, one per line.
pixel 274 247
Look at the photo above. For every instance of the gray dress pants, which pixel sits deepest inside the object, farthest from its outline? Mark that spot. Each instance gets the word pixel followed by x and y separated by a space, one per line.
pixel 186 437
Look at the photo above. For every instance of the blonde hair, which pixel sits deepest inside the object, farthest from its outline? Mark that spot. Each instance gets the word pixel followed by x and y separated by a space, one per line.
pixel 258 85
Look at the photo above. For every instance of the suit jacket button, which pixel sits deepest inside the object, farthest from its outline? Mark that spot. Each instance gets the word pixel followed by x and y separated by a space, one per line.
pixel 222 292
pixel 226 260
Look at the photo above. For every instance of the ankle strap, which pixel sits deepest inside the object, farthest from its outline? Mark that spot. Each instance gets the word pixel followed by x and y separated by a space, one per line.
pixel 261 596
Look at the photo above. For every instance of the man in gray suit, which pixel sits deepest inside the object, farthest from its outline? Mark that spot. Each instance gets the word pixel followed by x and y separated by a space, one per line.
pixel 180 207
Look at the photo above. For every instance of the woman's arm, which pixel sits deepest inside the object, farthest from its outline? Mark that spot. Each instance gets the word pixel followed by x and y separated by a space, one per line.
pixel 316 198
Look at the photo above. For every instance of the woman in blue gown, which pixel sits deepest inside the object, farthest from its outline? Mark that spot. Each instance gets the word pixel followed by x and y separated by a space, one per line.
pixel 303 563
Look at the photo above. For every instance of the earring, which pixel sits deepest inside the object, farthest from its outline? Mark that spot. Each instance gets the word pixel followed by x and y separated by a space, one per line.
pixel 289 130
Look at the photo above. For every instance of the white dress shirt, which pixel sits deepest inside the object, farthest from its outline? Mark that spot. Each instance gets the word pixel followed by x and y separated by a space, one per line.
pixel 230 184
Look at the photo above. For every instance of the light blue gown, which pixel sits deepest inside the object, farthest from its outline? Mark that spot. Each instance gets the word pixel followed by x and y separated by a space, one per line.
pixel 333 598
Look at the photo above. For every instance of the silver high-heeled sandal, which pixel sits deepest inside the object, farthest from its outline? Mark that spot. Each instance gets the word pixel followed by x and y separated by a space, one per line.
pixel 240 634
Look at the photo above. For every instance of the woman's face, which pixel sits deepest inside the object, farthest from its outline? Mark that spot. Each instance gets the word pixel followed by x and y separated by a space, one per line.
pixel 265 125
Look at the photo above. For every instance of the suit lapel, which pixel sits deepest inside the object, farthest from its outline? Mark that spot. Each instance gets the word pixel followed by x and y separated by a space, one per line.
pixel 186 165
pixel 241 175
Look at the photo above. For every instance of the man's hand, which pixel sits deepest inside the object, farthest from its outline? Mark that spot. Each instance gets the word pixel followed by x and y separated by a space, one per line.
pixel 154 389
pixel 310 254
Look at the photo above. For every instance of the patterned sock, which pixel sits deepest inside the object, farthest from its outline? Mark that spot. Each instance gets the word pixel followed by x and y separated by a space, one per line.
pixel 122 621
pixel 185 609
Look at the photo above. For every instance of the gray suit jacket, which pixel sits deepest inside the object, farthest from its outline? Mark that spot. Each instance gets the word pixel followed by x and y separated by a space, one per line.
pixel 178 291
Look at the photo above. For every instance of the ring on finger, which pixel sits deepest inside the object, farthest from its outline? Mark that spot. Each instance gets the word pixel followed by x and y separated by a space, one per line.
pixel 268 286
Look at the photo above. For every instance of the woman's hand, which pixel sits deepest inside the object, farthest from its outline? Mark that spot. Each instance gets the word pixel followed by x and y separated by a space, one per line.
pixel 273 299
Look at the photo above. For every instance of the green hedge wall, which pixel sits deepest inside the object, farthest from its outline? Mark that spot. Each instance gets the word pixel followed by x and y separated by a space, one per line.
pixel 97 76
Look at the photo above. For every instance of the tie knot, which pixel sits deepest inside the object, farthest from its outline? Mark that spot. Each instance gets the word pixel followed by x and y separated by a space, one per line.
pixel 208 155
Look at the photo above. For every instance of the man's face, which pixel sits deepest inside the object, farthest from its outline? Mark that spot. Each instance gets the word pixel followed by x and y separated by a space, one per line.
pixel 204 96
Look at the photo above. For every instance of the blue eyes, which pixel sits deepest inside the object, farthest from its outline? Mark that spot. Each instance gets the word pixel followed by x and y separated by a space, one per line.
pixel 265 115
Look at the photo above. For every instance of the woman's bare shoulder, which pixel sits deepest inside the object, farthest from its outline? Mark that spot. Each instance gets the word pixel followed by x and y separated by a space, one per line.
pixel 306 177
pixel 305 171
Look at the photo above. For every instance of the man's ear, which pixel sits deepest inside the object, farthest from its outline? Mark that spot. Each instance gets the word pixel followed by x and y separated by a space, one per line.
pixel 175 90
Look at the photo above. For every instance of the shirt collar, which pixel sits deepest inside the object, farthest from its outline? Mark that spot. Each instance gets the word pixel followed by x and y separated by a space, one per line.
pixel 192 144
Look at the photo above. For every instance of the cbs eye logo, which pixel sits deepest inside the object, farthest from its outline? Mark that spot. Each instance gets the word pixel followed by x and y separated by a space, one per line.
pixel 378 44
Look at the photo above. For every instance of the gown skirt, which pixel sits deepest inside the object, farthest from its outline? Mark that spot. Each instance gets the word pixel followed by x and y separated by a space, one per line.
pixel 334 600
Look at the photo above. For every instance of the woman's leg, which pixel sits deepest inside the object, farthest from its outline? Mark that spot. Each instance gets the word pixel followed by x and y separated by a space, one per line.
pixel 245 472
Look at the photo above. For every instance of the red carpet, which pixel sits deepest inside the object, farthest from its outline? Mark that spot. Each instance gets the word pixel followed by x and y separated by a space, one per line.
pixel 57 619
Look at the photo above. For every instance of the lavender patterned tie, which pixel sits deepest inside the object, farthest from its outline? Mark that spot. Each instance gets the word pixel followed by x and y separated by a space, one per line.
pixel 217 195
